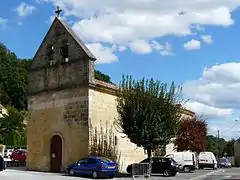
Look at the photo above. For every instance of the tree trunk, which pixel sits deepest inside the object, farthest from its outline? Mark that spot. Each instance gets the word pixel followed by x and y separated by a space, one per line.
pixel 149 153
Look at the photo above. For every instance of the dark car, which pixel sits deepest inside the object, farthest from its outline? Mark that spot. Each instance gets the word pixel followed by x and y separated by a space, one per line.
pixel 224 163
pixel 94 166
pixel 160 165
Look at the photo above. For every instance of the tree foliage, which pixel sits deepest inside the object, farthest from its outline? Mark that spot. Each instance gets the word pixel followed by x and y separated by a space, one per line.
pixel 13 127
pixel 13 79
pixel 101 76
pixel 191 135
pixel 229 148
pixel 224 146
pixel 104 144
pixel 148 112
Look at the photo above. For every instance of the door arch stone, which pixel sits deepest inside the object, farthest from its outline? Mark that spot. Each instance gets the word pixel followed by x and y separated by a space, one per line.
pixel 56 153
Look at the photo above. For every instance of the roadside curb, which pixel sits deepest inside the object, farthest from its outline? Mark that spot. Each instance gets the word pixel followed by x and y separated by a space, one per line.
pixel 205 175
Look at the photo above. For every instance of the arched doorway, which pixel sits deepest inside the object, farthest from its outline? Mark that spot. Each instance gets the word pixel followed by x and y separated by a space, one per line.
pixel 56 154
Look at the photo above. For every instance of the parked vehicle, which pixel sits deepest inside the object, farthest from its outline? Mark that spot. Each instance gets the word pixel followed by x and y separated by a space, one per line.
pixel 207 160
pixel 8 153
pixel 129 167
pixel 94 166
pixel 187 161
pixel 224 163
pixel 19 155
pixel 160 166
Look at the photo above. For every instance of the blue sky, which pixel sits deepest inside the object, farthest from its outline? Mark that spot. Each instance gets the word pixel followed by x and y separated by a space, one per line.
pixel 194 43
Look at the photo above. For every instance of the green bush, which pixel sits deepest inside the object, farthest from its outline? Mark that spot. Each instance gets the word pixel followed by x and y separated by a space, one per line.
pixel 103 143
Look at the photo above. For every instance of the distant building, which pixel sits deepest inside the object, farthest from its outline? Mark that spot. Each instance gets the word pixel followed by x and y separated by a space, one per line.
pixel 237 152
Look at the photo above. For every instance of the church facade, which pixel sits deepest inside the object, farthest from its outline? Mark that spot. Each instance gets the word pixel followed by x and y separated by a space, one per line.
pixel 65 102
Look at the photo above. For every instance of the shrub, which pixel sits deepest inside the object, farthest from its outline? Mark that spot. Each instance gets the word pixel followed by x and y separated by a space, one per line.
pixel 103 143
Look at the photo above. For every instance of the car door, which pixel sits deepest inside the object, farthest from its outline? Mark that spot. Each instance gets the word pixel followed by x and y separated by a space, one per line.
pixel 91 165
pixel 156 165
pixel 81 166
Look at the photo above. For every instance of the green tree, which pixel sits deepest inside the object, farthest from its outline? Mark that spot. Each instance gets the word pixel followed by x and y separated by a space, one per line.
pixel 229 148
pixel 212 145
pixel 13 127
pixel 149 112
pixel 13 79
pixel 103 77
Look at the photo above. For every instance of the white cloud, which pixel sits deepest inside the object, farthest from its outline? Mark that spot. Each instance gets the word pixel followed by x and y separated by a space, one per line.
pixel 192 45
pixel 103 54
pixel 228 129
pixel 208 111
pixel 127 21
pixel 218 86
pixel 207 39
pixel 122 48
pixel 140 46
pixel 24 9
pixel 215 94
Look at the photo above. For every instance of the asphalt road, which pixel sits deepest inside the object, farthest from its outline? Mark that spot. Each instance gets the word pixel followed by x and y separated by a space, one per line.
pixel 220 174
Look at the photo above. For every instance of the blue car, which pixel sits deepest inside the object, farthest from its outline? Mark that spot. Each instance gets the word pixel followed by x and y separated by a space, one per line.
pixel 94 166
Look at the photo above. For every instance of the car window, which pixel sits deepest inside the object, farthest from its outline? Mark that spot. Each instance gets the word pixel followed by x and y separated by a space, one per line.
pixel 165 159
pixel 156 160
pixel 223 160
pixel 92 161
pixel 82 161
pixel 105 160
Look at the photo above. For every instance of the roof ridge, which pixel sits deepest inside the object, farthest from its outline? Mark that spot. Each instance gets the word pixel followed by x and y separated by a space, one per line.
pixel 77 39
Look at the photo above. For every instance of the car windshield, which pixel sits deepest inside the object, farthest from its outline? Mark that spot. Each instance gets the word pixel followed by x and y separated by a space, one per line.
pixel 173 160
pixel 223 160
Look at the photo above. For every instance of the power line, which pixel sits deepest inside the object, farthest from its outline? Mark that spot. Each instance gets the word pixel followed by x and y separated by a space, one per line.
pixel 236 122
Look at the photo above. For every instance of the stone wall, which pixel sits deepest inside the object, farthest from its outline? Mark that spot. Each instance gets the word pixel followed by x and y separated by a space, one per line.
pixel 102 111
pixel 49 72
pixel 64 113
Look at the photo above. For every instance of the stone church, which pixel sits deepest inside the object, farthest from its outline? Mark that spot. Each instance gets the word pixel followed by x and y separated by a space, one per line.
pixel 65 102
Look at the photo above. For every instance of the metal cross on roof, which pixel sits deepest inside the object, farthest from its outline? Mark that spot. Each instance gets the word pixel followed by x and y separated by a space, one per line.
pixel 58 11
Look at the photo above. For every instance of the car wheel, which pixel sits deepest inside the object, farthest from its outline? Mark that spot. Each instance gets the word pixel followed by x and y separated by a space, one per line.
pixel 71 172
pixel 95 174
pixel 167 173
pixel 111 176
pixel 186 169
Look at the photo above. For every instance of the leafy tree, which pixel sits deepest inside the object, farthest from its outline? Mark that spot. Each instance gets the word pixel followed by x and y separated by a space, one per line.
pixel 191 135
pixel 13 79
pixel 13 127
pixel 212 144
pixel 229 148
pixel 101 76
pixel 148 112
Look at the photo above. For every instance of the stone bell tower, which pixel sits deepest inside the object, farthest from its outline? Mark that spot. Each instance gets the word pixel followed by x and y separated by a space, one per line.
pixel 59 78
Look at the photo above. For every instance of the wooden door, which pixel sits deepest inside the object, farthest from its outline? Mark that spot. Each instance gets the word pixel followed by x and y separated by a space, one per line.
pixel 56 154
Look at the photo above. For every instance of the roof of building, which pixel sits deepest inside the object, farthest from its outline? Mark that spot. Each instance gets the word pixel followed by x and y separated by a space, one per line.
pixel 74 36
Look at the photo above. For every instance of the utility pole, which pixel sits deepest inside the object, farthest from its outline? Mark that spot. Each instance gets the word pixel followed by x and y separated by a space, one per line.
pixel 218 144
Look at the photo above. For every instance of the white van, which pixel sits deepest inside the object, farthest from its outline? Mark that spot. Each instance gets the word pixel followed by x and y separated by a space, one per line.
pixel 186 160
pixel 207 160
